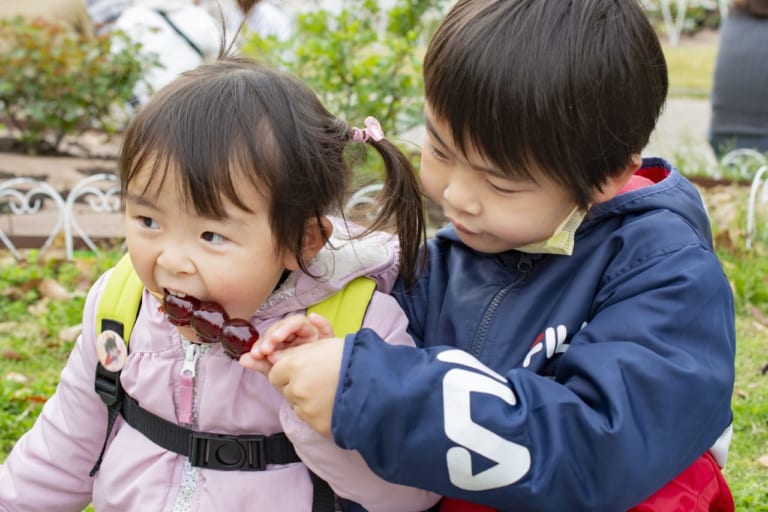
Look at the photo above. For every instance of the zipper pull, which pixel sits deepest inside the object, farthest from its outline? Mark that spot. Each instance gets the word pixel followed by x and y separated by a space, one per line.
pixel 191 354
pixel 187 388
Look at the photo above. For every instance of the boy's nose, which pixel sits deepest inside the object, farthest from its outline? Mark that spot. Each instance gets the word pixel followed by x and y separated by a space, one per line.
pixel 460 197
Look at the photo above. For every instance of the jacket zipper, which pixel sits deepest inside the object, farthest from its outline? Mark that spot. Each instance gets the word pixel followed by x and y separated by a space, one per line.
pixel 524 265
pixel 188 373
pixel 185 498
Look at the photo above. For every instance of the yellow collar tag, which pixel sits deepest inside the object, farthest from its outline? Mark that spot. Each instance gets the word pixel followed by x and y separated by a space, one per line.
pixel 562 240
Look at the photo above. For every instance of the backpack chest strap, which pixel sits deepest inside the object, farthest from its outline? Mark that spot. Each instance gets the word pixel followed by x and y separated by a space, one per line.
pixel 210 450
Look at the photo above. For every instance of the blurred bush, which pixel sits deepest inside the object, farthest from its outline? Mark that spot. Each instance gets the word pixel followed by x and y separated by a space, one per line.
pixel 362 60
pixel 56 83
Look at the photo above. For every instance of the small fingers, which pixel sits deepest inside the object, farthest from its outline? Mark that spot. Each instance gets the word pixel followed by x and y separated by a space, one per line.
pixel 322 324
pixel 256 363
pixel 281 332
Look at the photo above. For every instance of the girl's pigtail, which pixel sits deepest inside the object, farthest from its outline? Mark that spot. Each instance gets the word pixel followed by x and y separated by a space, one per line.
pixel 401 199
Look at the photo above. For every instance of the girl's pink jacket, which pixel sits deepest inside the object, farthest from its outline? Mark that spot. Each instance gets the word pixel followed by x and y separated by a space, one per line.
pixel 48 467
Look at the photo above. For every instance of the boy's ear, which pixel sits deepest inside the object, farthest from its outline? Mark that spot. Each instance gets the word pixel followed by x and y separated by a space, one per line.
pixel 315 235
pixel 615 183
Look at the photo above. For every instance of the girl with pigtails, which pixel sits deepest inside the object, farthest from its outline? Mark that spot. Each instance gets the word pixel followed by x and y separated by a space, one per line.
pixel 233 180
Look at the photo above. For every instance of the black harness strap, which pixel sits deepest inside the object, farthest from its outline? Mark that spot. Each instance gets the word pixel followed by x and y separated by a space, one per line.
pixel 323 497
pixel 208 450
pixel 107 386
pixel 223 451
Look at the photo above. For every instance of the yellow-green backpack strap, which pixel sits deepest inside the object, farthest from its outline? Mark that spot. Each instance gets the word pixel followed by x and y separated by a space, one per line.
pixel 116 313
pixel 346 309
pixel 119 301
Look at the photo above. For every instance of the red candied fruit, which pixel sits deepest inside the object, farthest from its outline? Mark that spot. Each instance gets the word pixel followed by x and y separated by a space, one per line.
pixel 238 336
pixel 208 321
pixel 179 309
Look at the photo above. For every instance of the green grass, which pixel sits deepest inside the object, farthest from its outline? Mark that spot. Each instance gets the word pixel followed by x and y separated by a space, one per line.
pixel 747 271
pixel 690 69
pixel 32 352
pixel 31 362
pixel 746 476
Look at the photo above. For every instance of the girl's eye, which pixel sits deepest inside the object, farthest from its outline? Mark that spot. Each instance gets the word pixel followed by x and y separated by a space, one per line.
pixel 148 222
pixel 214 238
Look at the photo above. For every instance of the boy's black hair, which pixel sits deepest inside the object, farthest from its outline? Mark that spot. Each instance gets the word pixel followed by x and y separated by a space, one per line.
pixel 568 88
pixel 237 118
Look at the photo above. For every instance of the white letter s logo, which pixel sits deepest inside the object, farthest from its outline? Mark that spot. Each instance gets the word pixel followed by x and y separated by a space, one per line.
pixel 512 460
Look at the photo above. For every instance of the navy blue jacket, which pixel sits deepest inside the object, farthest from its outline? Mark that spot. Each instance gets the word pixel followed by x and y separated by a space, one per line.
pixel 547 382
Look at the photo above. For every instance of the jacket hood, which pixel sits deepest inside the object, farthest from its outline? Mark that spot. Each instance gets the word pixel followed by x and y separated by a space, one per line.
pixel 670 191
pixel 341 260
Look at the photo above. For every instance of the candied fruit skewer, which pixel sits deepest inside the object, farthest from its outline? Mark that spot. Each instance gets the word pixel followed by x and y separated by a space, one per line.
pixel 211 323
pixel 208 321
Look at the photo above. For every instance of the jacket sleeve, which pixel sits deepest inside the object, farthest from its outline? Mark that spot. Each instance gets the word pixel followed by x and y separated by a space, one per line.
pixel 345 470
pixel 47 470
pixel 640 392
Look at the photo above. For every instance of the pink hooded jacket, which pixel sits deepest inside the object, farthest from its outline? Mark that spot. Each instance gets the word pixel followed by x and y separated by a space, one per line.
pixel 48 467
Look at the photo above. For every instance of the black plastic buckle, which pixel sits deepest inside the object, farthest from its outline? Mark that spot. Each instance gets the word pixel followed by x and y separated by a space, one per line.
pixel 227 453
pixel 107 385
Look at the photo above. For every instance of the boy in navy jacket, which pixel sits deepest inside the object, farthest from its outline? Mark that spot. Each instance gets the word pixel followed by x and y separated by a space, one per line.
pixel 575 328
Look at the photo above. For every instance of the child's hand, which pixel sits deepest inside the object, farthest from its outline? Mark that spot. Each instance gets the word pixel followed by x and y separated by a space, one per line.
pixel 255 362
pixel 307 377
pixel 294 330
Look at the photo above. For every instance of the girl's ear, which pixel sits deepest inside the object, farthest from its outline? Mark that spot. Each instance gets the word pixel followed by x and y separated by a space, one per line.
pixel 315 235
pixel 615 183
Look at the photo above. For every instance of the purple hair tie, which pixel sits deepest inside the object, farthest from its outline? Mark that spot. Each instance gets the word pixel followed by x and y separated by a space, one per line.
pixel 372 130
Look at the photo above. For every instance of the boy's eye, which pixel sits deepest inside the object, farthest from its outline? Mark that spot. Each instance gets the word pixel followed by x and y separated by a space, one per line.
pixel 148 222
pixel 215 238
pixel 438 154
pixel 503 190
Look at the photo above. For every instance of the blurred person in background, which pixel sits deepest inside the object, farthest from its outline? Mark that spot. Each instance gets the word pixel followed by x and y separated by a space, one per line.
pixel 70 13
pixel 179 33
pixel 264 18
pixel 104 13
pixel 739 104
